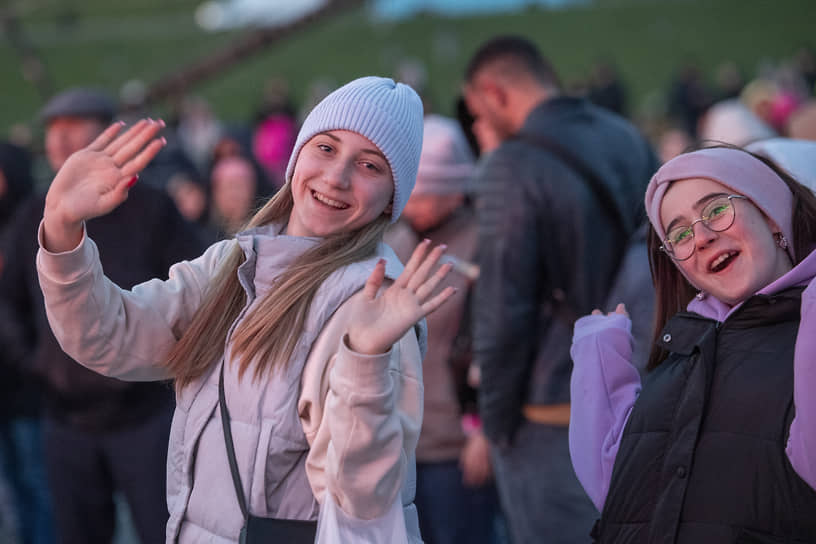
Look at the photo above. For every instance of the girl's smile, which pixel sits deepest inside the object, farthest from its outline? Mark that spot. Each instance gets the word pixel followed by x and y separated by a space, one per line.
pixel 735 263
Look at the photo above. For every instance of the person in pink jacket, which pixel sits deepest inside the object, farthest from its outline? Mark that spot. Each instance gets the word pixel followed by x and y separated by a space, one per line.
pixel 295 348
pixel 716 444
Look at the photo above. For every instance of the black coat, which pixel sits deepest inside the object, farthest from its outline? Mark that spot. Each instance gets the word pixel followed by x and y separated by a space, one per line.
pixel 548 252
pixel 137 241
pixel 702 459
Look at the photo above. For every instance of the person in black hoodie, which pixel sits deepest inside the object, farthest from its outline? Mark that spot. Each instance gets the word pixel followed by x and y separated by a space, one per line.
pixel 101 435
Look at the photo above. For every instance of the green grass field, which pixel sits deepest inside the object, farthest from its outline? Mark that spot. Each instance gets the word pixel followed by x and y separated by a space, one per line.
pixel 113 41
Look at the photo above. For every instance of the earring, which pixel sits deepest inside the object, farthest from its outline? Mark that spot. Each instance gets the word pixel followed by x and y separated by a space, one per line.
pixel 700 295
pixel 781 241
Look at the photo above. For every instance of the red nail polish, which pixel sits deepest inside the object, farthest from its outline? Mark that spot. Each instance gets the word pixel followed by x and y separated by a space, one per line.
pixel 132 181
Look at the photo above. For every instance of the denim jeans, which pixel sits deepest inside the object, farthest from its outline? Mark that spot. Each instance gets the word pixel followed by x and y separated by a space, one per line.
pixel 24 469
pixel 541 497
pixel 449 512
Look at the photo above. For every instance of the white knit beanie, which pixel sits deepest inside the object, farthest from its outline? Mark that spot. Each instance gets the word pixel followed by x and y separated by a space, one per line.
pixel 387 113
pixel 447 163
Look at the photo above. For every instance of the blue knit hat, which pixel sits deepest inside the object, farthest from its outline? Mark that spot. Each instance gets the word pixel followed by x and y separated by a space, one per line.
pixel 387 113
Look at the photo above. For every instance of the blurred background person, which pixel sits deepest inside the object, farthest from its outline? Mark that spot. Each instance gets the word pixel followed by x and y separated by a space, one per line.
pixel 732 122
pixel 455 498
pixel 802 122
pixel 236 192
pixel 25 506
pixel 688 97
pixel 796 157
pixel 190 195
pixel 100 435
pixel 606 89
pixel 274 132
pixel 549 246
pixel 198 130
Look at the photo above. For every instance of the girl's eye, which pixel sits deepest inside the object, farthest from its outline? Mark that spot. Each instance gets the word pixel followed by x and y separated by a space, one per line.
pixel 371 166
pixel 718 209
pixel 679 236
pixel 325 148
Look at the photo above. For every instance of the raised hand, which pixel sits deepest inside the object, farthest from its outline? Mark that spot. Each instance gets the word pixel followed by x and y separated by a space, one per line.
pixel 96 179
pixel 378 322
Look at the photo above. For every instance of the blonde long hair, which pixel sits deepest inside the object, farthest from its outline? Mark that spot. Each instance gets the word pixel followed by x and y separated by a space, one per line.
pixel 267 336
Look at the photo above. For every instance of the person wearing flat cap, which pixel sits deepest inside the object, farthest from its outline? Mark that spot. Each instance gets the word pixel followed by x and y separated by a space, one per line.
pixel 101 436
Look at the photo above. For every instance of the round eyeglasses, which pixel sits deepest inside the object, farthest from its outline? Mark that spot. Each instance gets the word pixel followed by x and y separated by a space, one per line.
pixel 718 215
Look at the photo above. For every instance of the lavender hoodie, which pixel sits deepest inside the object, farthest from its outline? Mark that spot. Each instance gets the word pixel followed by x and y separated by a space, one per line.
pixel 605 385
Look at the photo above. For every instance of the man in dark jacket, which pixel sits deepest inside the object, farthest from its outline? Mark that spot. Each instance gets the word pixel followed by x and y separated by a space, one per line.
pixel 549 247
pixel 101 435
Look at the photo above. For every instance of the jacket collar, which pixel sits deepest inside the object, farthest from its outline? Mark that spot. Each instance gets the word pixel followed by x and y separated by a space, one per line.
pixel 800 275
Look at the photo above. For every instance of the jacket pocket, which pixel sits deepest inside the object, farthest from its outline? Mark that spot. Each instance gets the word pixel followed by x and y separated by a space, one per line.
pixel 280 486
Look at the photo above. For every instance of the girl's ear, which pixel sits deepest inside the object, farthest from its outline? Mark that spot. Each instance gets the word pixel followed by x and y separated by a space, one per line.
pixel 389 209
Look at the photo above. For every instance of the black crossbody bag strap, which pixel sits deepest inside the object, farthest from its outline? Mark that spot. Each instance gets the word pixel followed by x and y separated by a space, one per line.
pixel 225 424
pixel 258 530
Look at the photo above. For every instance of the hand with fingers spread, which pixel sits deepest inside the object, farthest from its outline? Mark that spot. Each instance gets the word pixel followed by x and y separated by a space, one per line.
pixel 96 179
pixel 381 319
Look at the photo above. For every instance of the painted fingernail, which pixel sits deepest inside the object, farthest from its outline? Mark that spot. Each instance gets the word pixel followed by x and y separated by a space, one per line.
pixel 163 140
pixel 426 241
pixel 443 246
pixel 132 181
pixel 161 122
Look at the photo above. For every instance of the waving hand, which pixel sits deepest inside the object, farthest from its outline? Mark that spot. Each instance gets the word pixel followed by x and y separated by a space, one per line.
pixel 380 321
pixel 96 179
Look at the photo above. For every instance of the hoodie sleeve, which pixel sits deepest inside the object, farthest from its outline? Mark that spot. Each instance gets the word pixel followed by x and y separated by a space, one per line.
pixel 112 331
pixel 604 387
pixel 802 437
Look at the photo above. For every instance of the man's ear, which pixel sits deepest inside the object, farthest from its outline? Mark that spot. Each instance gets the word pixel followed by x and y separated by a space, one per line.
pixel 495 94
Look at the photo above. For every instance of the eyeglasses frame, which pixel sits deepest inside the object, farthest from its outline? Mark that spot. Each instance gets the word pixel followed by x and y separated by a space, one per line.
pixel 702 220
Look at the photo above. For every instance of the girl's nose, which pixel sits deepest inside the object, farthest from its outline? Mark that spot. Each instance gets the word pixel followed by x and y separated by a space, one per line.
pixel 703 235
pixel 338 175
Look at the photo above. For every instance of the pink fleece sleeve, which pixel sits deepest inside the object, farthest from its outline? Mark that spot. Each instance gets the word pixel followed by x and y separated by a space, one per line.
pixel 802 438
pixel 604 387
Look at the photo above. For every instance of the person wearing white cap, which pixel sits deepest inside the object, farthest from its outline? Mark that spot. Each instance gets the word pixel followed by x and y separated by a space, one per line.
pixel 456 497
pixel 296 347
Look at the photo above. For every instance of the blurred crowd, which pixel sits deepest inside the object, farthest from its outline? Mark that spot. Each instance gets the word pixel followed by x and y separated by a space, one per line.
pixel 487 430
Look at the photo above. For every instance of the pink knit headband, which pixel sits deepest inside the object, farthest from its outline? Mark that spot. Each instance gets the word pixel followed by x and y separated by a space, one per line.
pixel 736 170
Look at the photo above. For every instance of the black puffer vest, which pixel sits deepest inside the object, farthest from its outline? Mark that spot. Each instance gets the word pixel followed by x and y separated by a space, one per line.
pixel 702 458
